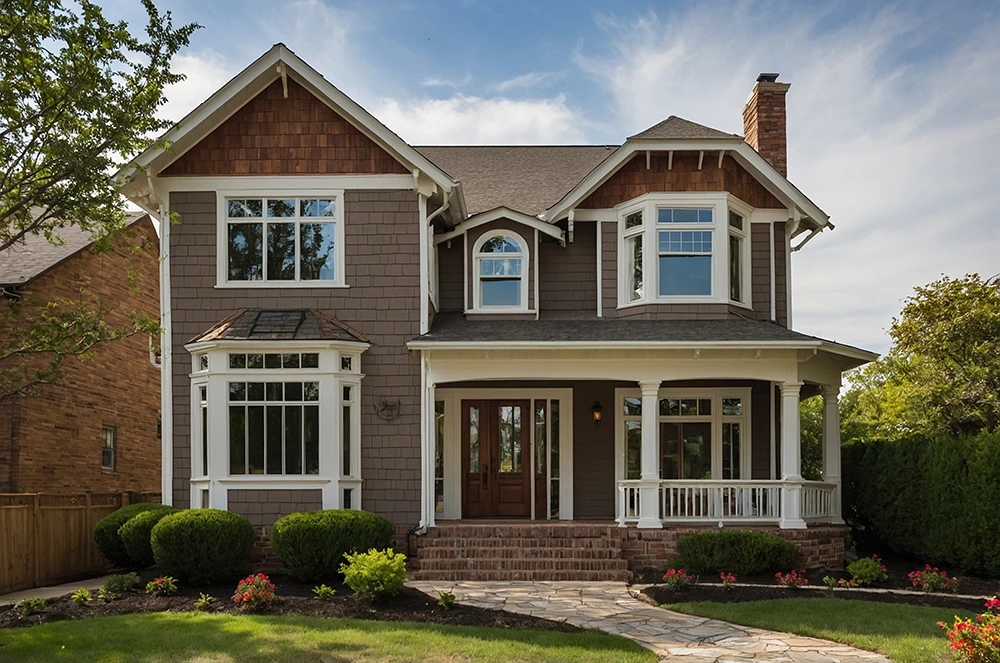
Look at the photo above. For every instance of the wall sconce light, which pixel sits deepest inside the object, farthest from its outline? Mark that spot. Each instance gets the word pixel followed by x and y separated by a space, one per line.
pixel 598 410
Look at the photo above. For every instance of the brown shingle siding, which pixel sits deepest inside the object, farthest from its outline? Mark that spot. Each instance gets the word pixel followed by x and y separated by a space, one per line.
pixel 568 275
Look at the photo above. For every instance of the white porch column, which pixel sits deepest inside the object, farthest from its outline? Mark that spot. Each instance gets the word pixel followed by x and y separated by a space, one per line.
pixel 791 457
pixel 649 489
pixel 831 446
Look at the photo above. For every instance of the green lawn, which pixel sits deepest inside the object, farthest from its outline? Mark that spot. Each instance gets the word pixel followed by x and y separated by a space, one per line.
pixel 199 638
pixel 904 633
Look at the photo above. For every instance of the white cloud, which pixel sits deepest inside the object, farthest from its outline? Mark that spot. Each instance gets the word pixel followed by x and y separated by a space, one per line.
pixel 205 73
pixel 531 79
pixel 446 82
pixel 903 157
pixel 467 120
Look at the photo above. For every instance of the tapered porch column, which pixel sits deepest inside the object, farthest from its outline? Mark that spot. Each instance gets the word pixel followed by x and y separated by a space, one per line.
pixel 791 457
pixel 831 447
pixel 649 489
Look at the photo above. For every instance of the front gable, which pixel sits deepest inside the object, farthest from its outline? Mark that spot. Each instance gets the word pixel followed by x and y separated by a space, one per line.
pixel 274 135
pixel 683 171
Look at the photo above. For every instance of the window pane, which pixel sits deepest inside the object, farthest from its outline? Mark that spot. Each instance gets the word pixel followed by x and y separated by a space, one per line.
pixel 685 275
pixel 732 406
pixel 255 360
pixel 318 207
pixel 237 391
pixel 633 248
pixel 675 215
pixel 345 363
pixel 346 442
pixel 316 244
pixel 281 208
pixel 310 360
pixel 293 391
pixel 735 221
pixel 670 407
pixel 237 361
pixel 293 439
pixel 689 407
pixel 290 360
pixel 633 450
pixel 473 440
pixel 281 251
pixel 204 433
pixel 500 292
pixel 439 456
pixel 500 245
pixel 632 406
pixel 255 391
pixel 670 451
pixel 540 438
pixel 736 268
pixel 244 208
pixel 237 439
pixel 275 429
pixel 272 361
pixel 554 445
pixel 310 433
pixel 311 391
pixel 500 267
pixel 273 391
pixel 510 439
pixel 255 435
pixel 731 451
pixel 697 453
pixel 704 406
pixel 245 252
pixel 633 220
pixel 685 241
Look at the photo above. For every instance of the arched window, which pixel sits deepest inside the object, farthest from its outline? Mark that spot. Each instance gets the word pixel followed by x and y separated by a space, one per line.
pixel 500 267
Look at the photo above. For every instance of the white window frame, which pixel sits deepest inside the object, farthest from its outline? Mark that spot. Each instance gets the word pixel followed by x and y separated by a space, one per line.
pixel 332 479
pixel 720 203
pixel 742 209
pixel 114 447
pixel 222 235
pixel 716 418
pixel 478 256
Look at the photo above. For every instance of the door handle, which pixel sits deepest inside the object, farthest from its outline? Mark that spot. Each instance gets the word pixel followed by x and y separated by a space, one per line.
pixel 486 475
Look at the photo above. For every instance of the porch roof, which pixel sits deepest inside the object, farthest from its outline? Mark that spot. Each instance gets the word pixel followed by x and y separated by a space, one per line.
pixel 453 329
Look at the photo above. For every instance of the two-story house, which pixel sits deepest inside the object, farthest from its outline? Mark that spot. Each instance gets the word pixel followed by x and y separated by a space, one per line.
pixel 585 344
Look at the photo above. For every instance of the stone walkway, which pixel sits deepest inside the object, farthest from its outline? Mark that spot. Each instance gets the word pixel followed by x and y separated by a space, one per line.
pixel 608 606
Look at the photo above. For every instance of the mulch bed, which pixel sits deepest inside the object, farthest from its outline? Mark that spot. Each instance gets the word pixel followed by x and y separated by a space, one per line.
pixel 293 598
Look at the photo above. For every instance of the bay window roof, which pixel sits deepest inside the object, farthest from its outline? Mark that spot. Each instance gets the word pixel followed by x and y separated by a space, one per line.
pixel 280 325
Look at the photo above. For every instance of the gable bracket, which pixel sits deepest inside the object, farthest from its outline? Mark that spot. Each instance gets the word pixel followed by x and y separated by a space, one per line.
pixel 722 155
pixel 647 159
pixel 283 72
pixel 701 158
pixel 670 160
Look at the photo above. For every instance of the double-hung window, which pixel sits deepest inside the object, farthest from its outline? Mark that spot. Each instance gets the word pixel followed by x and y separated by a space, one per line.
pixel 632 249
pixel 684 250
pixel 501 261
pixel 283 240
pixel 737 261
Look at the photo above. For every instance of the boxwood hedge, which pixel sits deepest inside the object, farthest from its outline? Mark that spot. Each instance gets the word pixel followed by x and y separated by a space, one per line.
pixel 743 552
pixel 199 546
pixel 106 531
pixel 311 545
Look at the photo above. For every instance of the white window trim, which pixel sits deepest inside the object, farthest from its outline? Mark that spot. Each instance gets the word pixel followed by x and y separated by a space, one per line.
pixel 222 239
pixel 649 203
pixel 744 210
pixel 331 479
pixel 717 419
pixel 524 255
pixel 114 449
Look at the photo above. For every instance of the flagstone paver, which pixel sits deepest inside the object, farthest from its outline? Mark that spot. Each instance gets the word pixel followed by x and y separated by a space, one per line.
pixel 608 606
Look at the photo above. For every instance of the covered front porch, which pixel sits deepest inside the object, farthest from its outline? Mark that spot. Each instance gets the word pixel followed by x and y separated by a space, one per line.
pixel 638 437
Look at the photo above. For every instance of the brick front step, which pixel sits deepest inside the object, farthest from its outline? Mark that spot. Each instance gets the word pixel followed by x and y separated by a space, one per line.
pixel 508 576
pixel 465 550
pixel 503 542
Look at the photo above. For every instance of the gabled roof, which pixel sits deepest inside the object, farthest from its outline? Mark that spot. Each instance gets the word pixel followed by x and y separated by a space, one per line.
pixel 245 86
pixel 34 255
pixel 526 178
pixel 677 128
pixel 280 325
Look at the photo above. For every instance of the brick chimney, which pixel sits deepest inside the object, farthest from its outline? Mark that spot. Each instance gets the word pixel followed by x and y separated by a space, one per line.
pixel 764 121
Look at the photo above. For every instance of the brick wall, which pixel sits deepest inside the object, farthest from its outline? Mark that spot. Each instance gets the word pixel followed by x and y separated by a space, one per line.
pixel 383 272
pixel 55 446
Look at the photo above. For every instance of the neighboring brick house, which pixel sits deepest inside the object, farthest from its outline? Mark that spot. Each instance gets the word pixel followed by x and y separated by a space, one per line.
pixel 525 333
pixel 95 429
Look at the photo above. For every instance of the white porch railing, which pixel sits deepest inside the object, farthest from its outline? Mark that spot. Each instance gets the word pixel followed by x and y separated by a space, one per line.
pixel 726 501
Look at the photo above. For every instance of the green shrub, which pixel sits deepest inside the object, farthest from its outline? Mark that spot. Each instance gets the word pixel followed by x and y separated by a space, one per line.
pixel 201 545
pixel 81 596
pixel 446 600
pixel 121 583
pixel 204 601
pixel 324 592
pixel 376 573
pixel 742 552
pixel 930 498
pixel 134 535
pixel 162 586
pixel 105 595
pixel 311 545
pixel 28 607
pixel 867 571
pixel 106 531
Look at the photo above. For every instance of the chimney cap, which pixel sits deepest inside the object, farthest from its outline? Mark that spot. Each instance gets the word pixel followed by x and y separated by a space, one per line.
pixel 767 78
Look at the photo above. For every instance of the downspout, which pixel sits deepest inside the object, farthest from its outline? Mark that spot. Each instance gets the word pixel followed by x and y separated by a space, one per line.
pixel 166 354
pixel 426 246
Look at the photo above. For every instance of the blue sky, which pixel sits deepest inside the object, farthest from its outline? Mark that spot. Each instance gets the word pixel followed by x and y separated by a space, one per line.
pixel 893 113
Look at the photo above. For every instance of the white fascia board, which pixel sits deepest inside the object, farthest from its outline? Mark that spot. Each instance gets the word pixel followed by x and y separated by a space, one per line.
pixel 864 356
pixel 745 155
pixel 264 346
pixel 250 82
pixel 501 213
pixel 612 345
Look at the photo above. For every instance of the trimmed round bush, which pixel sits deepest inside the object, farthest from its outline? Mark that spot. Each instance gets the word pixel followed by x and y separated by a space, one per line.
pixel 199 546
pixel 106 531
pixel 311 544
pixel 743 552
pixel 135 533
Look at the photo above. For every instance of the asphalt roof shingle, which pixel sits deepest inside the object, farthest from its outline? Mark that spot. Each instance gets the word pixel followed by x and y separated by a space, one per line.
pixel 526 178
pixel 280 325
pixel 677 128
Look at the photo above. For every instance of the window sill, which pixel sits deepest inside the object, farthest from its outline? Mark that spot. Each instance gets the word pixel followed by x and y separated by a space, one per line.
pixel 499 311
pixel 311 479
pixel 674 300
pixel 250 285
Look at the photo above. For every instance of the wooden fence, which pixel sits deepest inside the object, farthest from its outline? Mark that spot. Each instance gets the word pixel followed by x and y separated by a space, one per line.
pixel 47 539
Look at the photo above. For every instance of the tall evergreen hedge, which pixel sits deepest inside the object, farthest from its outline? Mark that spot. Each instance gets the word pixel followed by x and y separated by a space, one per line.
pixel 936 499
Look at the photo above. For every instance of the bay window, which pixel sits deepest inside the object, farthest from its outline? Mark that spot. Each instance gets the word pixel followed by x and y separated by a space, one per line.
pixel 699 249
pixel 282 240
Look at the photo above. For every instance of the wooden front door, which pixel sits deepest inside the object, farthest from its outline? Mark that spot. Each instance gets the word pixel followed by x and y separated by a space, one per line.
pixel 496 459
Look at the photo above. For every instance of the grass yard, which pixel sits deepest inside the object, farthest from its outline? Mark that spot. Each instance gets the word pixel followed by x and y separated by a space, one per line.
pixel 200 638
pixel 904 633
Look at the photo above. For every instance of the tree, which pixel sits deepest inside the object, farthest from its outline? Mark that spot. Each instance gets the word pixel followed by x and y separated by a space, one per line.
pixel 942 374
pixel 77 92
